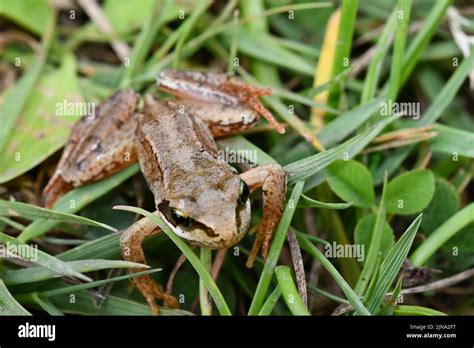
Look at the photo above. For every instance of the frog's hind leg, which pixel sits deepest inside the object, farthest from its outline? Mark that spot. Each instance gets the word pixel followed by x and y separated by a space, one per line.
pixel 271 178
pixel 222 120
pixel 100 144
pixel 131 244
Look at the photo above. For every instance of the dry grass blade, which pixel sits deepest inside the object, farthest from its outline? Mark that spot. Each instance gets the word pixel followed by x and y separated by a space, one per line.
pixel 298 265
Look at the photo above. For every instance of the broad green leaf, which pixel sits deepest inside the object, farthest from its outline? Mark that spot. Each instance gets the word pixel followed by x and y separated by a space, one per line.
pixel 40 122
pixel 445 203
pixel 8 305
pixel 29 211
pixel 364 231
pixel 390 267
pixel 16 97
pixel 352 182
pixel 410 192
pixel 36 274
pixel 21 12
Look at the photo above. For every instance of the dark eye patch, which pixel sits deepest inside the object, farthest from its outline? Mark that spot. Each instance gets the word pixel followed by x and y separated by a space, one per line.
pixel 169 213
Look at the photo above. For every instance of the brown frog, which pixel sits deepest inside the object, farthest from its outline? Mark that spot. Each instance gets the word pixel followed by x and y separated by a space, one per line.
pixel 201 198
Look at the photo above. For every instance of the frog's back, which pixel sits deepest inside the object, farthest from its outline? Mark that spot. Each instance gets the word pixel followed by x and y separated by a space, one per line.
pixel 177 153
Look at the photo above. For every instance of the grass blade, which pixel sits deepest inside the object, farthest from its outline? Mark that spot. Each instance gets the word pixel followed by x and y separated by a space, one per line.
pixel 375 66
pixel 346 289
pixel 84 305
pixel 325 67
pixel 29 211
pixel 74 288
pixel 201 7
pixel 289 291
pixel 270 302
pixel 76 200
pixel 345 124
pixel 48 306
pixel 303 169
pixel 206 259
pixel 39 257
pixel 423 37
pixel 374 248
pixel 342 51
pixel 8 305
pixel 144 40
pixel 403 18
pixel 312 203
pixel 434 112
pixel 36 274
pixel 275 249
pixel 416 310
pixel 391 266
pixel 443 233
pixel 107 247
pixel 453 141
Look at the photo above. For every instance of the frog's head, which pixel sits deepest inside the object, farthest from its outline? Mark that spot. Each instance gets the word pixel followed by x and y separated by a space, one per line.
pixel 214 213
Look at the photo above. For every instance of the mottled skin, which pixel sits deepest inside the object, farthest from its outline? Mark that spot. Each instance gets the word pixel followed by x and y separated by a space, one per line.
pixel 91 152
pixel 174 141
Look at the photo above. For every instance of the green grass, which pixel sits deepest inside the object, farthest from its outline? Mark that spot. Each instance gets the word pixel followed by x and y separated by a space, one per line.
pixel 333 184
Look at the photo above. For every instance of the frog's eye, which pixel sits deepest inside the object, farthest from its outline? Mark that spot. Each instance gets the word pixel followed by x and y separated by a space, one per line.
pixel 244 192
pixel 181 219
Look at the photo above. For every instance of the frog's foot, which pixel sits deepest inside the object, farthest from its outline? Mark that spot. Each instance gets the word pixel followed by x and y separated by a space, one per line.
pixel 272 179
pixel 152 291
pixel 248 95
pixel 131 244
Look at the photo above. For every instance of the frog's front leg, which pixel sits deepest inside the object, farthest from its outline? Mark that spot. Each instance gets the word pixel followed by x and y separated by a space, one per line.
pixel 271 178
pixel 131 244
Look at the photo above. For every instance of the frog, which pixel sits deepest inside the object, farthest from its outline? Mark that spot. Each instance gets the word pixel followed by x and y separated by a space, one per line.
pixel 201 198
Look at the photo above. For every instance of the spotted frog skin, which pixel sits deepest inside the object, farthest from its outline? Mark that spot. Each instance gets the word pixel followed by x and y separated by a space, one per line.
pixel 203 199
